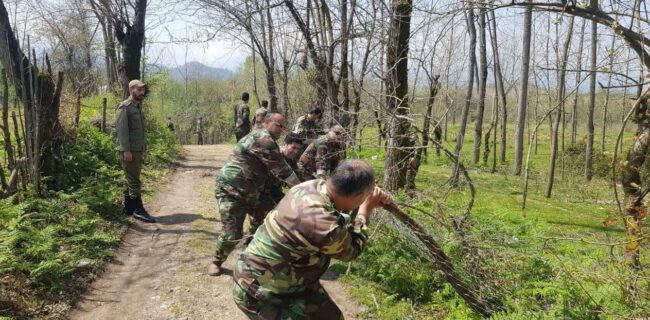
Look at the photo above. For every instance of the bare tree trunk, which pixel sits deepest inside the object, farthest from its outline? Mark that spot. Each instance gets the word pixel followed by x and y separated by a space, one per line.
pixel 482 79
pixel 523 91
pixel 499 87
pixel 561 98
pixel 592 98
pixel 434 87
pixel 609 83
pixel 574 110
pixel 468 96
pixel 103 114
pixel 397 103
pixel 633 185
pixel 131 38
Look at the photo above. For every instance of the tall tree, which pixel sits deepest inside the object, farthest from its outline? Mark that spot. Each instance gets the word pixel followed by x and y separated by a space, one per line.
pixel 127 19
pixel 468 96
pixel 501 91
pixel 560 113
pixel 482 80
pixel 589 154
pixel 397 104
pixel 523 90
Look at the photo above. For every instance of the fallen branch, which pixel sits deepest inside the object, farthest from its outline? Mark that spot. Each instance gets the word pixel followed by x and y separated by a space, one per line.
pixel 442 261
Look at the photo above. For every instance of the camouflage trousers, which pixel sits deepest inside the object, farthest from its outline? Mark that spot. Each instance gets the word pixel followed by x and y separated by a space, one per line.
pixel 313 304
pixel 233 212
pixel 132 172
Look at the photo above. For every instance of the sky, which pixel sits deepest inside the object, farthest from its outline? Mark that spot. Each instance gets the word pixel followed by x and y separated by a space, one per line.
pixel 177 34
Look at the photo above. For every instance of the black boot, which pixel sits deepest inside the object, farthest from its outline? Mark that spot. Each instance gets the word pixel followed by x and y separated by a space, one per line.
pixel 140 212
pixel 128 205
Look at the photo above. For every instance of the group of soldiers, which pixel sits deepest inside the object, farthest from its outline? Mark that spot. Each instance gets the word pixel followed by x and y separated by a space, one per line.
pixel 292 236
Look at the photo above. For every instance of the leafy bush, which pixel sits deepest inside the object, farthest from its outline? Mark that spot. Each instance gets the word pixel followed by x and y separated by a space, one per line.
pixel 50 246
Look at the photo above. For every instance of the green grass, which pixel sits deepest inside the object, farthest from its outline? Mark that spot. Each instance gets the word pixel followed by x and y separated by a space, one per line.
pixel 51 246
pixel 522 258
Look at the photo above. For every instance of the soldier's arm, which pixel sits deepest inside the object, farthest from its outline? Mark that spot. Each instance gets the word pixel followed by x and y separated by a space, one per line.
pixel 269 153
pixel 122 129
pixel 344 243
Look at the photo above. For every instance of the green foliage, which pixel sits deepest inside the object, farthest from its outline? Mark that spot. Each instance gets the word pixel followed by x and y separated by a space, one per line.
pixel 49 246
pixel 574 159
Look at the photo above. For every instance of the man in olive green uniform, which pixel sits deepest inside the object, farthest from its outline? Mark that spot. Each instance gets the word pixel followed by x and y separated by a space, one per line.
pixel 277 277
pixel 260 113
pixel 132 145
pixel 242 117
pixel 308 126
pixel 324 154
pixel 242 179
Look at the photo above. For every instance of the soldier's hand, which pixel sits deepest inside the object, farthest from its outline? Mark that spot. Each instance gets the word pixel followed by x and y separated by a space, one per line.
pixel 377 198
pixel 144 157
pixel 128 156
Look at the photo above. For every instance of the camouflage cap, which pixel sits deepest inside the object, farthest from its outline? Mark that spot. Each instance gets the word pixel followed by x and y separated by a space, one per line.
pixel 136 83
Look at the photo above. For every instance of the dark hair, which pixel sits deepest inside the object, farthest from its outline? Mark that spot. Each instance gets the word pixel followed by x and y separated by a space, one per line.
pixel 265 103
pixel 245 96
pixel 292 137
pixel 352 177
pixel 315 109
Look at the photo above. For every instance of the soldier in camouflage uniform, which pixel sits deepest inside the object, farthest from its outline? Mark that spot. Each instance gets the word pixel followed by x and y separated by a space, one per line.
pixel 260 113
pixel 277 277
pixel 324 154
pixel 132 145
pixel 308 126
pixel 241 180
pixel 273 191
pixel 242 117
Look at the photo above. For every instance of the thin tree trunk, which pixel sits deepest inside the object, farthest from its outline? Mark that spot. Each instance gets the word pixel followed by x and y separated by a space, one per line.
pixel 609 83
pixel 561 96
pixel 482 77
pixel 468 96
pixel 574 110
pixel 499 87
pixel 592 98
pixel 523 91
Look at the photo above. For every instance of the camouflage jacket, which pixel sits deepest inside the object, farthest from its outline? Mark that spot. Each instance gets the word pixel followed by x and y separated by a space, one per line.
pixel 260 113
pixel 242 119
pixel 293 248
pixel 308 129
pixel 322 156
pixel 247 170
pixel 130 126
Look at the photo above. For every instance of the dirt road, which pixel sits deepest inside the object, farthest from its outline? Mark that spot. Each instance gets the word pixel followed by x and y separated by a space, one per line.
pixel 159 270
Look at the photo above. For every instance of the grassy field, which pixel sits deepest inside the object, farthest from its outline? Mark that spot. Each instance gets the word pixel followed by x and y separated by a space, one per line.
pixel 548 261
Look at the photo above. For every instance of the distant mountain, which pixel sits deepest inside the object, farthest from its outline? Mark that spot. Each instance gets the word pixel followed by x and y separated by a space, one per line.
pixel 197 70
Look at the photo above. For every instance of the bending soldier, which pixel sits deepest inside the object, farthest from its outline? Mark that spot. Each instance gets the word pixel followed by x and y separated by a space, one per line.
pixel 240 182
pixel 277 277
pixel 308 126
pixel 273 191
pixel 324 154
